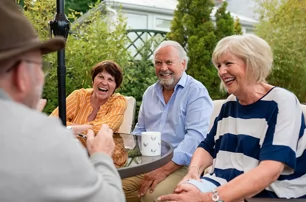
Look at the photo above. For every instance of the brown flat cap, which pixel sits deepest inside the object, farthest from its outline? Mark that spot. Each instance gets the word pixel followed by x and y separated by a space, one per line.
pixel 18 36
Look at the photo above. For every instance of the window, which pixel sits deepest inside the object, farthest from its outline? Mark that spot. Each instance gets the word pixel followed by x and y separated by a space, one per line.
pixel 249 30
pixel 136 21
pixel 162 24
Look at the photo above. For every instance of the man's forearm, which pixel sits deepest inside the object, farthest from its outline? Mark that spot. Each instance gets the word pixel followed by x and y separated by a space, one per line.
pixel 170 167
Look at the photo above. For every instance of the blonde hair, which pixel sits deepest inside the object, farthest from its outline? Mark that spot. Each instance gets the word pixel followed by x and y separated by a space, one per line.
pixel 253 50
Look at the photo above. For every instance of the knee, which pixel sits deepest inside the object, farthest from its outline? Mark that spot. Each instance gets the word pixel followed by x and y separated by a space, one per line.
pixel 149 197
pixel 152 196
pixel 129 186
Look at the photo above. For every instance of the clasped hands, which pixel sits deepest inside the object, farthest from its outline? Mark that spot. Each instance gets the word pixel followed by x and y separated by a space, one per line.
pixel 185 192
pixel 101 142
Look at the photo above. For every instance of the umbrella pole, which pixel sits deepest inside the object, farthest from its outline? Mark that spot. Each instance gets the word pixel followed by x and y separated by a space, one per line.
pixel 60 27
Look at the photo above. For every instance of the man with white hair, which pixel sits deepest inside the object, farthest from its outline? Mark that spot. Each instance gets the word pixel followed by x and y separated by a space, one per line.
pixel 40 159
pixel 179 107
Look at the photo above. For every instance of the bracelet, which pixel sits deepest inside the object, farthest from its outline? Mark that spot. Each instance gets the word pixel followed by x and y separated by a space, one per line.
pixel 215 197
pixel 196 167
pixel 69 127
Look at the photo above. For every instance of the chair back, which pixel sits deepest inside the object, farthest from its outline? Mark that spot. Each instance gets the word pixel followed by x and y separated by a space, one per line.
pixel 128 121
pixel 217 107
pixel 304 110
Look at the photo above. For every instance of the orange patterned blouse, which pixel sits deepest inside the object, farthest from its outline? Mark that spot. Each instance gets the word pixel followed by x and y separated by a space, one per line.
pixel 78 108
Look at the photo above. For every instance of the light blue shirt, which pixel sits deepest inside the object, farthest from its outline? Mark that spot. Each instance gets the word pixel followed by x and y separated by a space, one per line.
pixel 183 121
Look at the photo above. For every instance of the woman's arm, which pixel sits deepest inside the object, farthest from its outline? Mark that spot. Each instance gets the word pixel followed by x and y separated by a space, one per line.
pixel 251 182
pixel 113 118
pixel 201 160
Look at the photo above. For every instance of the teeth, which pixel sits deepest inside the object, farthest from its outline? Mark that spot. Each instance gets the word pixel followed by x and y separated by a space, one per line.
pixel 229 79
pixel 102 89
pixel 165 74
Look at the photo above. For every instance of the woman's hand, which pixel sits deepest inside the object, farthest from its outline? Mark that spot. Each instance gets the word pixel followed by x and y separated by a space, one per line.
pixel 77 129
pixel 187 193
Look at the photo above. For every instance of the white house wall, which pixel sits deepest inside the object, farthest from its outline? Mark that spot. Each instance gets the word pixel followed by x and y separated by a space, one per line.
pixel 144 14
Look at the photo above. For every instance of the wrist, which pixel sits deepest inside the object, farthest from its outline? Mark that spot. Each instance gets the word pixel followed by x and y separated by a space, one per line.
pixel 207 196
pixel 193 168
pixel 215 196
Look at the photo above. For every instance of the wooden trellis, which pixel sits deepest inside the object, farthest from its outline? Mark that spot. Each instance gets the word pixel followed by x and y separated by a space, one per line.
pixel 139 37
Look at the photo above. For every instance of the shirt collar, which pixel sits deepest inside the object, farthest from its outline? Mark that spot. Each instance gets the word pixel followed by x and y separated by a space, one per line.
pixel 4 95
pixel 183 80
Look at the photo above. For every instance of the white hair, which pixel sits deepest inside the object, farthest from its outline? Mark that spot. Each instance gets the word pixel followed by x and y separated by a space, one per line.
pixel 180 50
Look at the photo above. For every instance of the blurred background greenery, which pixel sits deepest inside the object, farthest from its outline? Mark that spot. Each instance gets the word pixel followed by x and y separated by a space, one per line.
pixel 96 36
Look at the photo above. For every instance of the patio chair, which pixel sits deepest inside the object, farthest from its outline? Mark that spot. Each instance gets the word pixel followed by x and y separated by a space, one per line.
pixel 127 124
pixel 217 107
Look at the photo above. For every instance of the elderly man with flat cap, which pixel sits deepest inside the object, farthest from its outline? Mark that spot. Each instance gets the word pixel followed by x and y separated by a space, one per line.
pixel 40 159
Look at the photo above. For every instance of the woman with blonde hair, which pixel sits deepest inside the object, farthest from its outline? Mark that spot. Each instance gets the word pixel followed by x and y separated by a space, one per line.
pixel 256 146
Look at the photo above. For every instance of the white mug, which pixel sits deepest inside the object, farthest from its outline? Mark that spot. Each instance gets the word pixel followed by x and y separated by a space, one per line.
pixel 150 143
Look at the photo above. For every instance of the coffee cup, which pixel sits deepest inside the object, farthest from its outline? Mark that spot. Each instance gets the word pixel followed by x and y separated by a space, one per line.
pixel 150 143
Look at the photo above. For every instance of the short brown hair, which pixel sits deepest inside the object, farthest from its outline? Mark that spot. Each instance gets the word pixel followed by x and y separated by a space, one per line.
pixel 110 67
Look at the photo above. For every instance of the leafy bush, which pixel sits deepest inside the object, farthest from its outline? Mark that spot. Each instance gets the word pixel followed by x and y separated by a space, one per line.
pixel 138 76
pixel 237 26
pixel 282 25
pixel 97 39
pixel 224 22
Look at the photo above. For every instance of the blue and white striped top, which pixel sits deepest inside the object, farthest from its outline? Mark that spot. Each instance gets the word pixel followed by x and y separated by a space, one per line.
pixel 273 128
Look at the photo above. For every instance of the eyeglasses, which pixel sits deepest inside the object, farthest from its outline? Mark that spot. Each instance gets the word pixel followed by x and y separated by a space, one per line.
pixel 45 66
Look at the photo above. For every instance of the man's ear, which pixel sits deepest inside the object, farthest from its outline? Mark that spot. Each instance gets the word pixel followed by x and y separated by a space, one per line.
pixel 21 79
pixel 184 64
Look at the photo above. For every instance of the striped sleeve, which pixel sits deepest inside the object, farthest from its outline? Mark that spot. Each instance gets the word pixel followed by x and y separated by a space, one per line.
pixel 72 106
pixel 114 117
pixel 281 139
pixel 209 143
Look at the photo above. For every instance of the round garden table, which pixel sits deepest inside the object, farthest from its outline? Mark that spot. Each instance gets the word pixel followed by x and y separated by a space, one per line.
pixel 143 164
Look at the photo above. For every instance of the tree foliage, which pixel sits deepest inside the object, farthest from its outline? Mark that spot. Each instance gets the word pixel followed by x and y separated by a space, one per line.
pixel 89 43
pixel 224 22
pixel 81 6
pixel 282 25
pixel 193 28
pixel 237 27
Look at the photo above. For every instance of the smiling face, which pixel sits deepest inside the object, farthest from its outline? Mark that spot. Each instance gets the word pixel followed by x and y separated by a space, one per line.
pixel 232 72
pixel 104 86
pixel 168 66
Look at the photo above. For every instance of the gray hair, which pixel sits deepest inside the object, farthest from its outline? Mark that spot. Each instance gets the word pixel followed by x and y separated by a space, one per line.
pixel 180 50
pixel 253 50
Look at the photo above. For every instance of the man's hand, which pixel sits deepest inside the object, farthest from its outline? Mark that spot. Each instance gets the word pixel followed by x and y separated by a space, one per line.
pixel 150 180
pixel 186 193
pixel 41 104
pixel 102 142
